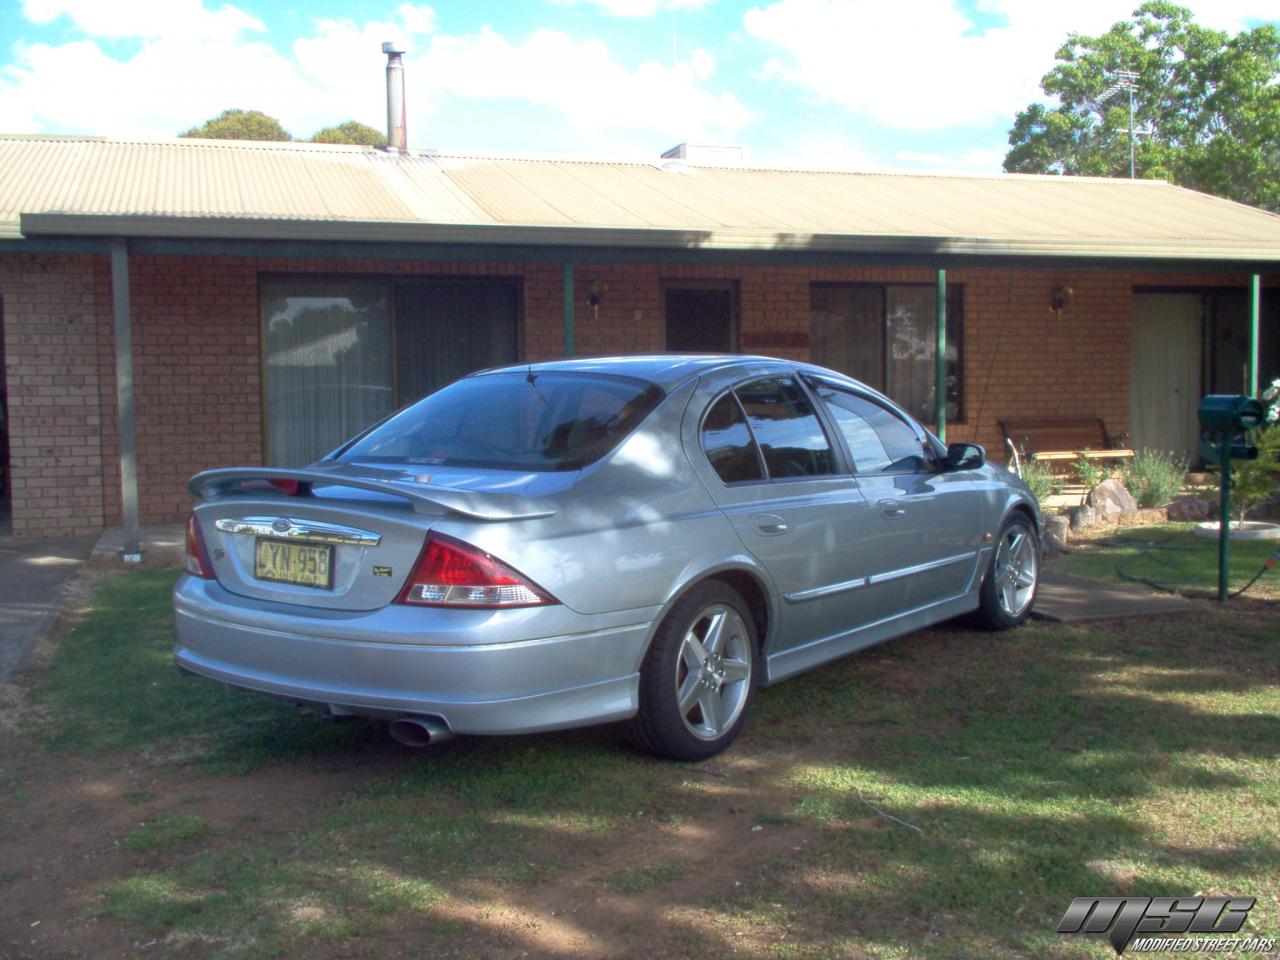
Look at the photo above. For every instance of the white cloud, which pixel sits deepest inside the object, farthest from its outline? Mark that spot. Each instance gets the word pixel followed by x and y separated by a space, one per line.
pixel 974 160
pixel 164 88
pixel 582 81
pixel 194 62
pixel 145 18
pixel 638 8
pixel 925 65
pixel 817 147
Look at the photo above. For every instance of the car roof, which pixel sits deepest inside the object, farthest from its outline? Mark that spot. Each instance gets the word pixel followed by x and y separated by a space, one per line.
pixel 667 370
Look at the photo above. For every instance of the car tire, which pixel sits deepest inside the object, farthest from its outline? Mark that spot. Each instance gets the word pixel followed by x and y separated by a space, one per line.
pixel 699 677
pixel 1008 590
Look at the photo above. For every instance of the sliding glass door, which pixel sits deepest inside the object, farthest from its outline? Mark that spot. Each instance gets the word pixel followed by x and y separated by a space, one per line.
pixel 340 354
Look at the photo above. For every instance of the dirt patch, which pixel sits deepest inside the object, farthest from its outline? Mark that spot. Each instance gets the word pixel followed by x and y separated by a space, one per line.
pixel 594 909
pixel 61 839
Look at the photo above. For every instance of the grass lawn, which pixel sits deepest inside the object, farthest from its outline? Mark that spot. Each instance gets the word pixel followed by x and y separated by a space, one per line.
pixel 942 796
pixel 1173 557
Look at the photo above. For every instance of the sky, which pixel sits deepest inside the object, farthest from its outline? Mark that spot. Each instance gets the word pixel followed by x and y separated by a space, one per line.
pixel 857 84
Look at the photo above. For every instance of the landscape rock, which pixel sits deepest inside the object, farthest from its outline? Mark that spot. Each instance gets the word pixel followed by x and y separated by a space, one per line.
pixel 1056 529
pixel 1111 497
pixel 1188 509
pixel 1082 518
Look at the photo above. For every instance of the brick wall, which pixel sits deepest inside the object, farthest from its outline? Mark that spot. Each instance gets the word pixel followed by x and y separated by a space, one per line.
pixel 197 355
pixel 1021 358
pixel 196 375
pixel 54 308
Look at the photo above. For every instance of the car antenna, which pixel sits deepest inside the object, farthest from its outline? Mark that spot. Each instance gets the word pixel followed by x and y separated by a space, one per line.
pixel 531 377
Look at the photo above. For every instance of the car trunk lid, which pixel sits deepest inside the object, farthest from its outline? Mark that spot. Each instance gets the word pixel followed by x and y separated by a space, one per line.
pixel 339 538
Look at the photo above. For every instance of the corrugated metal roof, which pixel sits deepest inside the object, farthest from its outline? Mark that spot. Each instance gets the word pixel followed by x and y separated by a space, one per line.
pixel 202 188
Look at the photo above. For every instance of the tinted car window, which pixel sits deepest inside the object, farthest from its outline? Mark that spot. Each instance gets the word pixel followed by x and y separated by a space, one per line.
pixel 727 443
pixel 512 421
pixel 878 440
pixel 786 428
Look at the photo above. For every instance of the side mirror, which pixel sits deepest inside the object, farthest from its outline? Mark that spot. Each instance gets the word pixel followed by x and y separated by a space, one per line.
pixel 965 456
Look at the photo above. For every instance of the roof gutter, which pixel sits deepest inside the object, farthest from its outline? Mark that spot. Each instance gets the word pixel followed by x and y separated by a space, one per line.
pixel 728 240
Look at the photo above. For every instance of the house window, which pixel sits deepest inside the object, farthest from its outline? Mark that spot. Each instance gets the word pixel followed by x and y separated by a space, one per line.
pixel 885 336
pixel 340 354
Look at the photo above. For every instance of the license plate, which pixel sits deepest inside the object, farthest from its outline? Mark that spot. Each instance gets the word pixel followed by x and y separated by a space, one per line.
pixel 304 564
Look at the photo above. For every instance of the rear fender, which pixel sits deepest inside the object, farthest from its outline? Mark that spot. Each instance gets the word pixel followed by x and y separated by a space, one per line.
pixel 691 577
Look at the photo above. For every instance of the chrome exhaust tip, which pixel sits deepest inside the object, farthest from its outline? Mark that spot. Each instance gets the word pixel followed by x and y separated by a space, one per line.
pixel 419 731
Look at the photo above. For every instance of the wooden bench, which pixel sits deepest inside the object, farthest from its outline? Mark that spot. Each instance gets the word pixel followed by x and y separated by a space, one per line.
pixel 1062 439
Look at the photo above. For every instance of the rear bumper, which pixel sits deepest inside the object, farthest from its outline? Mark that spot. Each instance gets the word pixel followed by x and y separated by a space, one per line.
pixel 481 671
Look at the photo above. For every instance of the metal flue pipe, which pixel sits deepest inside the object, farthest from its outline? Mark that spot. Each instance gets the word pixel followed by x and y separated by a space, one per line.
pixel 397 129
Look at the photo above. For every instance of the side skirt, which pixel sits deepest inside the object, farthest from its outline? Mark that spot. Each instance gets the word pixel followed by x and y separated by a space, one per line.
pixel 788 663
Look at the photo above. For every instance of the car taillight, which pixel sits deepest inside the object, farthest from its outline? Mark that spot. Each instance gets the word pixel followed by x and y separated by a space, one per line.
pixel 198 564
pixel 453 574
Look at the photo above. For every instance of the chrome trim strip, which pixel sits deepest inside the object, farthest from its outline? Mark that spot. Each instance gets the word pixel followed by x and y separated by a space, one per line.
pixel 305 531
pixel 919 568
pixel 800 596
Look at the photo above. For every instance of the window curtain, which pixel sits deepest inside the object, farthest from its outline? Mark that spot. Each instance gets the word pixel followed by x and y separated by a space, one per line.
pixel 328 364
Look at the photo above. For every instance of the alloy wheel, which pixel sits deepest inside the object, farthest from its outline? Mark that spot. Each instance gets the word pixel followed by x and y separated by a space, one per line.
pixel 713 671
pixel 1015 571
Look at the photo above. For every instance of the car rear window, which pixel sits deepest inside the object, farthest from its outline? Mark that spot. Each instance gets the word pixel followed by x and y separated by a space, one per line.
pixel 512 421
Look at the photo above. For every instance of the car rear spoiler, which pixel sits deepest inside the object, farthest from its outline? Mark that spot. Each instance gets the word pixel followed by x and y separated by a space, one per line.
pixel 427 499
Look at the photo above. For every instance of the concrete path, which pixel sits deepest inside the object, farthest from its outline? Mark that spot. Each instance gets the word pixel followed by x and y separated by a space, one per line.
pixel 1067 599
pixel 33 576
pixel 162 539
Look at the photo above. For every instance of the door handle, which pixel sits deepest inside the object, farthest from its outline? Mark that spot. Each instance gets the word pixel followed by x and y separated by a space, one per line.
pixel 769 524
pixel 892 509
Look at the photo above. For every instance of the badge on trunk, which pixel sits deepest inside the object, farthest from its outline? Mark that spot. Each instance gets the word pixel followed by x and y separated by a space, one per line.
pixel 381 571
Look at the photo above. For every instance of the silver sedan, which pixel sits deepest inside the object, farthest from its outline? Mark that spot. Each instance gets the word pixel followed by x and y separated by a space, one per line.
pixel 644 539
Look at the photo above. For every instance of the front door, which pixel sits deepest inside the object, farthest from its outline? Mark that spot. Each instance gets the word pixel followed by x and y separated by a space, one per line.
pixel 1165 382
pixel 922 525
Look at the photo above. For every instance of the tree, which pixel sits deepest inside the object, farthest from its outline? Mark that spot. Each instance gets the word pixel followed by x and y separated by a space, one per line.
pixel 1207 106
pixel 353 133
pixel 239 125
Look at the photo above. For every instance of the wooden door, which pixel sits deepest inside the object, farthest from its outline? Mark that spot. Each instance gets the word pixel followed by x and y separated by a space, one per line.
pixel 1166 372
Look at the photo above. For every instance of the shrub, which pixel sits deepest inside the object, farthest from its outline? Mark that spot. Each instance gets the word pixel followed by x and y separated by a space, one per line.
pixel 1089 473
pixel 1039 479
pixel 1154 477
pixel 1253 481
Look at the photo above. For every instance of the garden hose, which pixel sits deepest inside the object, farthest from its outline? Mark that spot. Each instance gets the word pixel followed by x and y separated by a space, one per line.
pixel 1270 562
